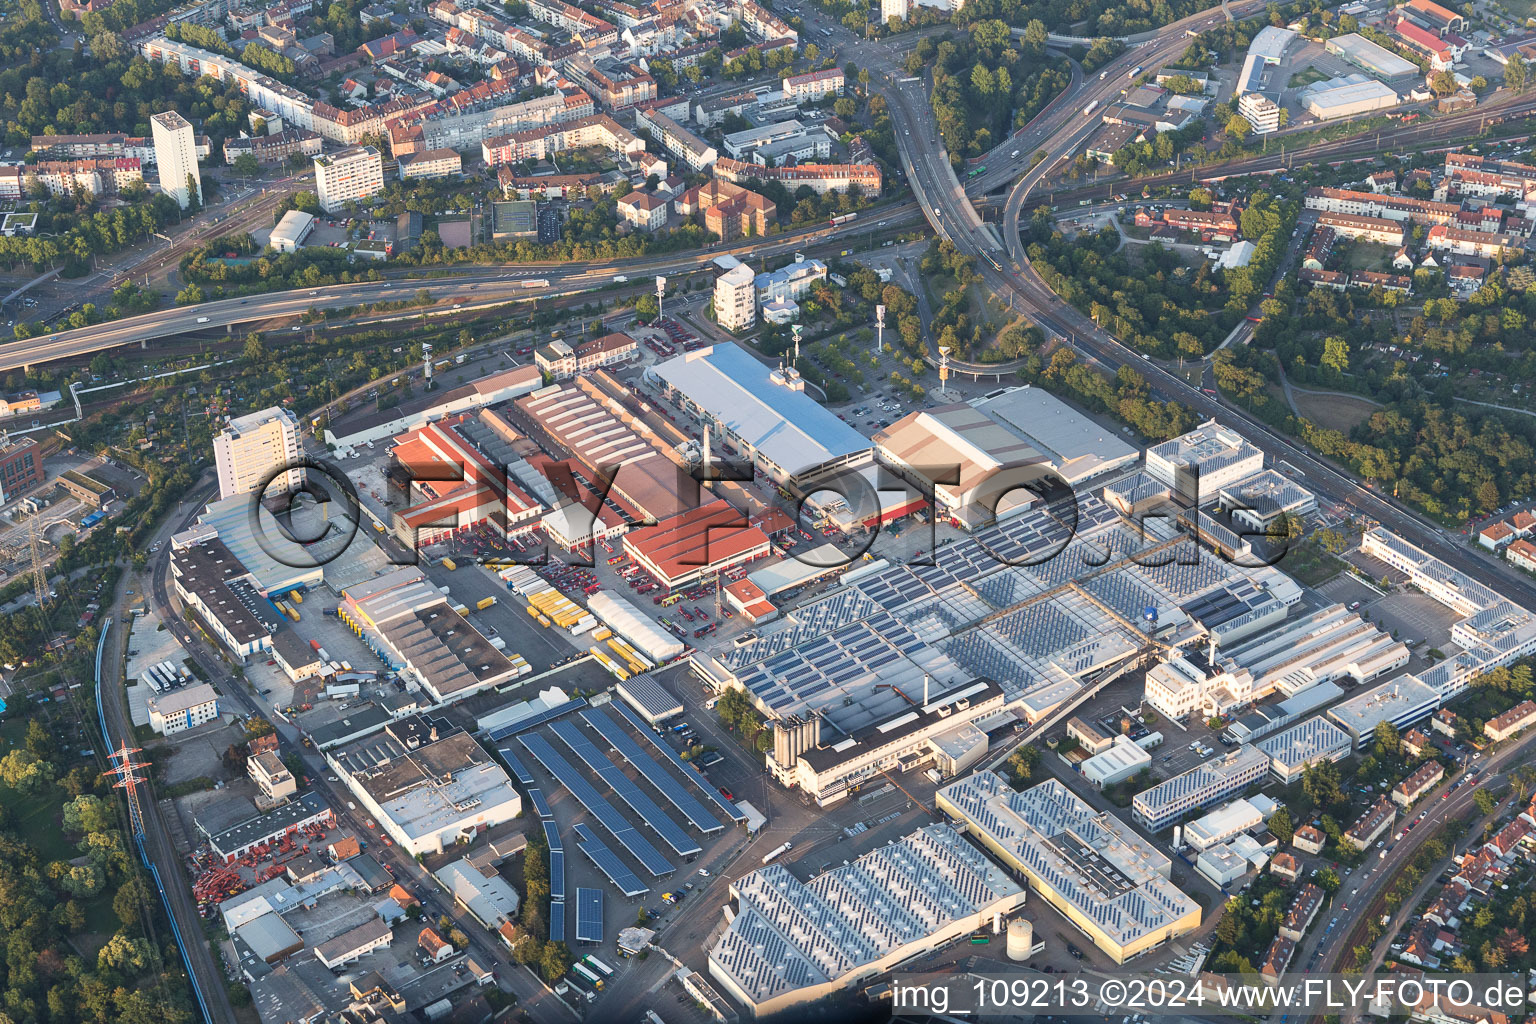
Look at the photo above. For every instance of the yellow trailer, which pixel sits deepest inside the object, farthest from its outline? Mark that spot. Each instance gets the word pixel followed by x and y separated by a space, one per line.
pixel 533 611
pixel 450 564
pixel 298 598
pixel 543 621
pixel 293 613
pixel 484 603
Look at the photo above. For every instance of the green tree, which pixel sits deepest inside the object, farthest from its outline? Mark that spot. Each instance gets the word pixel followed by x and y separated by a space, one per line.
pixel 25 772
pixel 254 352
pixel 246 165
pixel 554 960
pixel 1280 824
pixel 1515 74
pixel 1335 355
pixel 1486 802
pixel 646 307
pixel 1388 742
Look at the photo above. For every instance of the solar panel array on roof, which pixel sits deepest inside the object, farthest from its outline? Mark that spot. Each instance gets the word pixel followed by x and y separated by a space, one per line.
pixel 655 773
pixel 519 770
pixel 541 805
pixel 556 861
pixel 594 802
pixel 556 920
pixel 609 863
pixel 539 718
pixel 624 787
pixel 589 915
pixel 689 772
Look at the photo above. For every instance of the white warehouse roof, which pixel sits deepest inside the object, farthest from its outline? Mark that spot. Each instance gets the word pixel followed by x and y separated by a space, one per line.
pixel 627 621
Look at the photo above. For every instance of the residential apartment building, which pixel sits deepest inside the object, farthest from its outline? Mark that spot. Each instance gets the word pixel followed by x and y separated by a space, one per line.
pixel 351 175
pixel 1261 112
pixel 432 163
pixel 274 149
pixel 730 211
pixel 644 210
pixel 814 85
pixel 1460 242
pixel 1424 778
pixel 735 299
pixel 819 178
pixel 21 467
pixel 176 158
pixel 1516 719
pixel 1380 230
pixel 692 150
pixel 1370 826
pixel 1371 204
pixel 252 448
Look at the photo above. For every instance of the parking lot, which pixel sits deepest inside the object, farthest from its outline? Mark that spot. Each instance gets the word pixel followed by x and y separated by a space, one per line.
pixel 1409 615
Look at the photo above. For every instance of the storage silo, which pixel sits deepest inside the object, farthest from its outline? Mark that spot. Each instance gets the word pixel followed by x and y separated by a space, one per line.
pixel 1021 939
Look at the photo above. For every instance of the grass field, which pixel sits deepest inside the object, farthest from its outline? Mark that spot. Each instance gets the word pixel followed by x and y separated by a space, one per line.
pixel 1307 77
pixel 1335 412
pixel 1368 256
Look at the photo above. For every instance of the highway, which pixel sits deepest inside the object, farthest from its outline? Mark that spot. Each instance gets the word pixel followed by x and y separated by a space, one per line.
pixel 478 286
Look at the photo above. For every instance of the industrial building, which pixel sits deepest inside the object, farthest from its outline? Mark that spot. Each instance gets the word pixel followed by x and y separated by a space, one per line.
pixel 1200 463
pixel 1264 719
pixel 460 471
pixel 1028 603
pixel 413 626
pixel 702 542
pixel 637 628
pixel 1376 59
pixel 788 943
pixel 765 413
pixel 356 431
pixel 998 444
pixel 183 708
pixel 945 730
pixel 1349 96
pixel 562 360
pixel 1109 882
pixel 619 464
pixel 223 593
pixel 651 701
pixel 1203 785
pixel 1124 758
pixel 428 784
pixel 353 944
pixel 252 830
pixel 290 232
pixel 1400 702
pixel 1218 826
pixel 1293 751
pixel 1331 644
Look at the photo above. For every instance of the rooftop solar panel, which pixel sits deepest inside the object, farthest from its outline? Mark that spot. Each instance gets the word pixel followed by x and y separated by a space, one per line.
pixel 689 772
pixel 541 805
pixel 524 724
pixel 654 773
pixel 557 920
pixel 589 915
pixel 552 836
pixel 519 770
pixel 594 802
pixel 556 874
pixel 624 787
pixel 608 862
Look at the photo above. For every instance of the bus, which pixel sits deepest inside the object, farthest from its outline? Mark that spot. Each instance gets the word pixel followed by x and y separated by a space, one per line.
pixel 978 171
pixel 598 965
pixel 587 974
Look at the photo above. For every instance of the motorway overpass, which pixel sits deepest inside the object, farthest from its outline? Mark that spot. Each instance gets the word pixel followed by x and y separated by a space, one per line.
pixel 472 287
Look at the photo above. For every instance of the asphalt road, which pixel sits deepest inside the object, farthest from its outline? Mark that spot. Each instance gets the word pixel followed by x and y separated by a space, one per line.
pixel 477 286
pixel 531 994
pixel 1060 131
pixel 157 843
